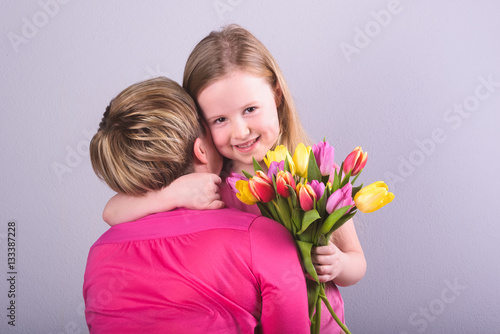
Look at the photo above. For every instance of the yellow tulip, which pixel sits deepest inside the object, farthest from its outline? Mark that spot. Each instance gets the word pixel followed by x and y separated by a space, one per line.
pixel 301 159
pixel 279 154
pixel 373 197
pixel 244 194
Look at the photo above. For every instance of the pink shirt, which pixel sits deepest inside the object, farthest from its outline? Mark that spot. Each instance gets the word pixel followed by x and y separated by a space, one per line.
pixel 328 324
pixel 183 271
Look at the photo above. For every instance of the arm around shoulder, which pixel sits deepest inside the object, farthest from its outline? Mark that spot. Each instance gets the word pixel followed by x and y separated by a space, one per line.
pixel 197 191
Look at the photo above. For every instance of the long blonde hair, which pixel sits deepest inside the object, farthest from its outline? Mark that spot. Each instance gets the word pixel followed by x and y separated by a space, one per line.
pixel 235 48
pixel 146 136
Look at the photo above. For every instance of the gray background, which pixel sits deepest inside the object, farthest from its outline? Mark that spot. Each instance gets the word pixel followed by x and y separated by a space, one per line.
pixel 432 254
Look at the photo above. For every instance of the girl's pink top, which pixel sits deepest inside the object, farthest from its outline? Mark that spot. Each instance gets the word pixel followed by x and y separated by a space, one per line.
pixel 184 271
pixel 328 324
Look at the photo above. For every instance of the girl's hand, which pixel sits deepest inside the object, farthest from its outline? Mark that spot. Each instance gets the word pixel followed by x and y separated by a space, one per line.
pixel 327 261
pixel 197 191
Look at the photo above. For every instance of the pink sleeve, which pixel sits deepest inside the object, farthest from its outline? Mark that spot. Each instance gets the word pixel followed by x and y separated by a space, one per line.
pixel 277 268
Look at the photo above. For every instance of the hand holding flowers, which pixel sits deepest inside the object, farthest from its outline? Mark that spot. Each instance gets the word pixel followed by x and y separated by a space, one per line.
pixel 312 197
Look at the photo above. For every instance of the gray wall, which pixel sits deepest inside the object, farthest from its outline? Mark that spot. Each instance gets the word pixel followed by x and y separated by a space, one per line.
pixel 411 88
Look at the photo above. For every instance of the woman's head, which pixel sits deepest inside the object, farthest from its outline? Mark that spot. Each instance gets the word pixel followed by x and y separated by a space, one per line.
pixel 236 49
pixel 146 136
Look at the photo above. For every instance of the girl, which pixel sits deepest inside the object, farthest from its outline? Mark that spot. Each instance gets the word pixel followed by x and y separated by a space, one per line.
pixel 242 95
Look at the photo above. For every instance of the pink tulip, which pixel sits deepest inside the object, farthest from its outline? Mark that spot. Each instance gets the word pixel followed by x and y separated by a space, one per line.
pixel 274 167
pixel 318 187
pixel 233 178
pixel 261 187
pixel 306 196
pixel 355 161
pixel 324 154
pixel 340 198
pixel 282 180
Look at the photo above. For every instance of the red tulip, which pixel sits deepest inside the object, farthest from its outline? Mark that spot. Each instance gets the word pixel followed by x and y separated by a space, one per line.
pixel 355 161
pixel 283 179
pixel 306 196
pixel 261 187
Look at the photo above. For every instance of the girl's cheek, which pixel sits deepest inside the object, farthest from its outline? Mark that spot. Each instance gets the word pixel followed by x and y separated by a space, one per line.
pixel 218 136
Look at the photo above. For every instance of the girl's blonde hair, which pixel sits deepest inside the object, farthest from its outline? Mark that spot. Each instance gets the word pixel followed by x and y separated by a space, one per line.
pixel 146 136
pixel 235 48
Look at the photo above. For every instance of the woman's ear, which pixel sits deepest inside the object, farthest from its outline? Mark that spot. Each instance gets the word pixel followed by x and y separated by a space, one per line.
pixel 200 152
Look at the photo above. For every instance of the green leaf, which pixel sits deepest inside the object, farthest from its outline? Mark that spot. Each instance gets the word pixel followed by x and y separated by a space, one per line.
pixel 354 180
pixel 297 215
pixel 306 236
pixel 293 195
pixel 321 204
pixel 336 181
pixel 305 252
pixel 313 172
pixel 287 165
pixel 332 219
pixel 284 212
pixel 248 175
pixel 340 222
pixel 356 189
pixel 275 214
pixel 309 217
pixel 345 179
pixel 264 210
pixel 256 165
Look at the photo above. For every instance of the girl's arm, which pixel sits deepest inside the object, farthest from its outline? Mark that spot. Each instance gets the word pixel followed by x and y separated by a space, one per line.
pixel 197 191
pixel 342 260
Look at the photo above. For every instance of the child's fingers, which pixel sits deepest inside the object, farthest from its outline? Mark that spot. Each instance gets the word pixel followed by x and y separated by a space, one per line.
pixel 322 259
pixel 214 205
pixel 330 249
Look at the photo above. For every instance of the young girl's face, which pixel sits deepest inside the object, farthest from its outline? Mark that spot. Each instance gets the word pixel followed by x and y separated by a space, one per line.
pixel 240 110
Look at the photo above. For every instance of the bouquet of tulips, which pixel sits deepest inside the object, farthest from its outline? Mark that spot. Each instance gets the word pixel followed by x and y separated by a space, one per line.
pixel 312 197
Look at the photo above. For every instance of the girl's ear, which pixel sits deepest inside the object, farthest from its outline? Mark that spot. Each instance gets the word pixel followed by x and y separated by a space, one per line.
pixel 278 93
pixel 200 153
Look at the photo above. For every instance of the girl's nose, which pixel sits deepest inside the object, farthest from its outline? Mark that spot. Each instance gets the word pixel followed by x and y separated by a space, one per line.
pixel 240 130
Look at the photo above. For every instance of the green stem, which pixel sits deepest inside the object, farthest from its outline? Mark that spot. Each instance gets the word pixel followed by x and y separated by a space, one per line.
pixel 317 316
pixel 322 296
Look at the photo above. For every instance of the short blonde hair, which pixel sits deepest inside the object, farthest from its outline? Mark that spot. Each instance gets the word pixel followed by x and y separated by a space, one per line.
pixel 146 136
pixel 235 48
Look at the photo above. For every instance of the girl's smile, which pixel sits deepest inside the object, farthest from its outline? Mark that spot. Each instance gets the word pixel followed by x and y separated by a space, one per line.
pixel 241 112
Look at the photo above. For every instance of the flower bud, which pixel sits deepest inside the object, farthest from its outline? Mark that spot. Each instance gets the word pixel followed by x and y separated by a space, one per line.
pixel 324 154
pixel 355 161
pixel 282 180
pixel 301 159
pixel 261 187
pixel 306 196
pixel 279 154
pixel 373 197
pixel 340 198
pixel 244 194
